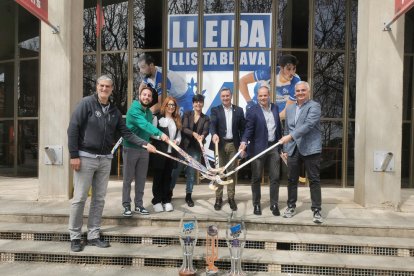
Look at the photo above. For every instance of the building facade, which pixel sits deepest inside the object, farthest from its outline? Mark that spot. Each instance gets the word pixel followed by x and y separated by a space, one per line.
pixel 361 75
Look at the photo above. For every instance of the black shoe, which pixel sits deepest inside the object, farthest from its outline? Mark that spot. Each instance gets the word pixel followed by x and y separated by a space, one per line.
pixel 76 245
pixel 218 204
pixel 233 205
pixel 127 211
pixel 257 210
pixel 275 210
pixel 99 242
pixel 188 200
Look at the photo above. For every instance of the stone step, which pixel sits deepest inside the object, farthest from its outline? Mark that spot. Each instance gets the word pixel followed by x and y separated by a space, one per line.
pixel 152 235
pixel 261 223
pixel 50 269
pixel 143 255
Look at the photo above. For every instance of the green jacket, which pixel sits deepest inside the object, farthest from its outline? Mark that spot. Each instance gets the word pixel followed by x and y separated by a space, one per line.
pixel 139 121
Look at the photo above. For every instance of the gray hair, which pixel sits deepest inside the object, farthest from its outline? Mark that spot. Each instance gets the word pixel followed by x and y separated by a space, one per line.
pixel 104 78
pixel 304 83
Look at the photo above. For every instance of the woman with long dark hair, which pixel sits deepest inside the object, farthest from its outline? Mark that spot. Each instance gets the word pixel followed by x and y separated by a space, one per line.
pixel 169 122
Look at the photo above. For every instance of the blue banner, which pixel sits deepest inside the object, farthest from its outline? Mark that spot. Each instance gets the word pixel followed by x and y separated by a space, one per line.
pixel 255 32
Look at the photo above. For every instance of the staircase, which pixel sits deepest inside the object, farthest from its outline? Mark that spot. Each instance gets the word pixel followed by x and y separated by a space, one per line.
pixel 352 241
pixel 148 242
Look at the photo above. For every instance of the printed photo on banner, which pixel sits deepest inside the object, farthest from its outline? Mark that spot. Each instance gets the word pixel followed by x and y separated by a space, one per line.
pixel 218 64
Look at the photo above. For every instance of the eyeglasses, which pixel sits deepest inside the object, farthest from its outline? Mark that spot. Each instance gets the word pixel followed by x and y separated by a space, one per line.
pixel 171 105
pixel 301 90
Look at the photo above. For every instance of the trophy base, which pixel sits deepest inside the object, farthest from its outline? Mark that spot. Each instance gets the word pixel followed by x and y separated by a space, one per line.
pixel 211 272
pixel 186 273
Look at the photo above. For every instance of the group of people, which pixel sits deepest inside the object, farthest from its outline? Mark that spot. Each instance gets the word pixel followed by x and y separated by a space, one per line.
pixel 95 121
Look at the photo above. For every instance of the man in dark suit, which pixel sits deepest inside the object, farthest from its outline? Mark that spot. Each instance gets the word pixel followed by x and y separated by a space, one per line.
pixel 226 127
pixel 263 129
pixel 303 143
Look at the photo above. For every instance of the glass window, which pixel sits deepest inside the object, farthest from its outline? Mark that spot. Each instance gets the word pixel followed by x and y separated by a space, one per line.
pixel 328 85
pixel 7 150
pixel 28 89
pixel 29 42
pixel 115 65
pixel 219 6
pixel 27 149
pixel 351 154
pixel 352 86
pixel 354 24
pixel 331 162
pixel 405 156
pixel 89 75
pixel 148 20
pixel 115 31
pixel 408 76
pixel 330 24
pixel 409 32
pixel 293 24
pixel 7 26
pixel 248 6
pixel 89 28
pixel 182 7
pixel 6 90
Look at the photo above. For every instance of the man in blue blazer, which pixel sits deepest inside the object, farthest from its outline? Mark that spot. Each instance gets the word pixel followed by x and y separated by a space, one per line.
pixel 226 127
pixel 303 142
pixel 263 129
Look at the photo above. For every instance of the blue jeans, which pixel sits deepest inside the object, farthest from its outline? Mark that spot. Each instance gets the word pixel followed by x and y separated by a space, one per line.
pixel 95 172
pixel 190 172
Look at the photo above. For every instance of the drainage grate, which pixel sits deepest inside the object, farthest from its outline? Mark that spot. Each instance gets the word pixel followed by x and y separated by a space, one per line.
pixel 198 264
pixel 321 248
pixel 320 270
pixel 58 237
pixel 10 236
pixel 344 249
pixel 122 239
pixel 51 258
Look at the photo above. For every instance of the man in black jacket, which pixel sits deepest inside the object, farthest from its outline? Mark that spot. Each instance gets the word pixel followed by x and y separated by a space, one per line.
pixel 91 135
pixel 227 127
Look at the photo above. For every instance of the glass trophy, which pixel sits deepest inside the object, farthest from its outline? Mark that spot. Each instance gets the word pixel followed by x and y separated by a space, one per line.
pixel 236 239
pixel 188 239
pixel 211 249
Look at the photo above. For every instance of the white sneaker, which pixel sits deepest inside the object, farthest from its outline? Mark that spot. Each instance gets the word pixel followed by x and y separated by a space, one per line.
pixel 158 208
pixel 168 207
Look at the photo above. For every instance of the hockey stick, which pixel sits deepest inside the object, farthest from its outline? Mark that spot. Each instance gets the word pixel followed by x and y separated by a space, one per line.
pixel 188 158
pixel 252 159
pixel 117 145
pixel 213 178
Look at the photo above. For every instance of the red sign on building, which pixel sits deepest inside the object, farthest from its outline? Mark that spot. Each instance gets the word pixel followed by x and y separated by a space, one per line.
pixel 401 7
pixel 36 7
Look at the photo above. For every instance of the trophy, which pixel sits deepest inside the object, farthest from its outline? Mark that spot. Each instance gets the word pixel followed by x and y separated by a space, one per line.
pixel 236 239
pixel 212 249
pixel 188 239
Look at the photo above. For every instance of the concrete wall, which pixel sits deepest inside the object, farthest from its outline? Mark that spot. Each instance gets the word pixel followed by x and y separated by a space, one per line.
pixel 378 122
pixel 61 69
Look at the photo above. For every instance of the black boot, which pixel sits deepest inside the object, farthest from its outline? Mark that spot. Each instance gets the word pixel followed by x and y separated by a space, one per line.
pixel 188 200
pixel 233 205
pixel 218 204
